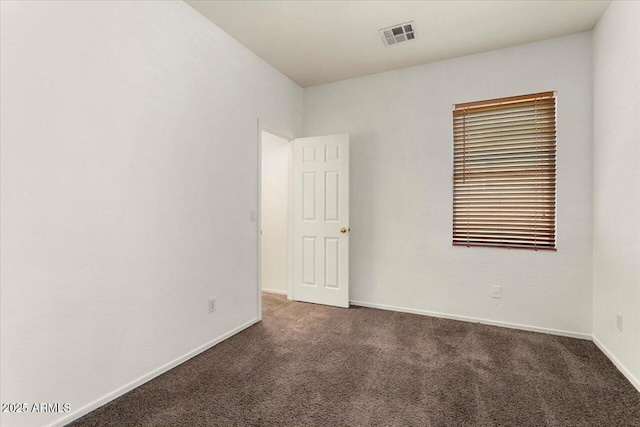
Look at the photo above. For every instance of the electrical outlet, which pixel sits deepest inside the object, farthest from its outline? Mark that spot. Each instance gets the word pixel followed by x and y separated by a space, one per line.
pixel 619 321
pixel 496 291
pixel 212 305
pixel 252 216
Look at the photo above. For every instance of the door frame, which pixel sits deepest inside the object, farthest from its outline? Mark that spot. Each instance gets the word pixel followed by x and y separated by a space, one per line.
pixel 289 137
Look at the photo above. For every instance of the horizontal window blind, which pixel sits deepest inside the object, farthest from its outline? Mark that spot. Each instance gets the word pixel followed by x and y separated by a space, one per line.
pixel 504 172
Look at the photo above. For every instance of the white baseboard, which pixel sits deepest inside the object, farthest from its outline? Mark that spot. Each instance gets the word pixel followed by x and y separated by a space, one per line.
pixel 562 333
pixel 147 377
pixel 274 291
pixel 632 379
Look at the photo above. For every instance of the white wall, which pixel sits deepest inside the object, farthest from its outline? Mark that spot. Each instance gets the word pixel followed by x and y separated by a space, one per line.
pixel 616 226
pixel 275 212
pixel 401 193
pixel 129 158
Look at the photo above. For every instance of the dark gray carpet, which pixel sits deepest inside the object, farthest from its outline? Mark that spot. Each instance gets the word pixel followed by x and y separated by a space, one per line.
pixel 307 364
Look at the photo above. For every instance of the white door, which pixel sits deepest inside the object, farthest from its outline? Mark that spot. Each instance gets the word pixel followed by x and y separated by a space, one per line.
pixel 321 220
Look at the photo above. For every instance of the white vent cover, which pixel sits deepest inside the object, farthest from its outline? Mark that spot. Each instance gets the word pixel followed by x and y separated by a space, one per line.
pixel 397 33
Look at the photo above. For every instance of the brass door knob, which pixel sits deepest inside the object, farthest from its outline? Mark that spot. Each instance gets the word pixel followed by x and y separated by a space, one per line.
pixel 343 230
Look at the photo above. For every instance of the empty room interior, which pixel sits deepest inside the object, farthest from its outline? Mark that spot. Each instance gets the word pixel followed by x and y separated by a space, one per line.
pixel 320 213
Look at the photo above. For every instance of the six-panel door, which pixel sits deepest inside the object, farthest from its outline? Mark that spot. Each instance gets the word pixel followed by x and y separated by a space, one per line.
pixel 321 220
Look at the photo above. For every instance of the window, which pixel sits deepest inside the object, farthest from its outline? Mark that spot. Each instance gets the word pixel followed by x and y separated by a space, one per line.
pixel 504 172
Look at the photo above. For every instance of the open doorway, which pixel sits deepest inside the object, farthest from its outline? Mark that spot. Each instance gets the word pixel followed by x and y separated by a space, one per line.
pixel 275 182
pixel 303 247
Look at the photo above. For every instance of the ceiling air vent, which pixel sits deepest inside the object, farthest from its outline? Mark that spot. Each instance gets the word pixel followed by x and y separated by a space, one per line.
pixel 397 33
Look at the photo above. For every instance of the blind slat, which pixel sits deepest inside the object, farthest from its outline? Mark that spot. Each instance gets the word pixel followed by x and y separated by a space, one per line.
pixel 495 146
pixel 543 110
pixel 502 217
pixel 507 108
pixel 512 229
pixel 514 124
pixel 516 151
pixel 469 121
pixel 497 175
pixel 504 245
pixel 497 193
pixel 503 239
